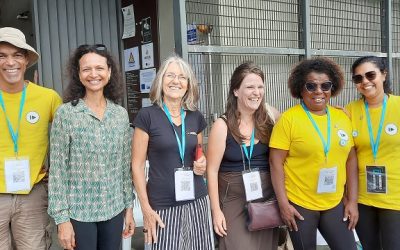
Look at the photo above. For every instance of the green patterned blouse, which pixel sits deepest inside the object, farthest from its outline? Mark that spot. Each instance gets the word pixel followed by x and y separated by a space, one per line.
pixel 90 175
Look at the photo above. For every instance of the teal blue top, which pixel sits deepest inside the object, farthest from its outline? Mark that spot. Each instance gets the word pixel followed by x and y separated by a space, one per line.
pixel 90 174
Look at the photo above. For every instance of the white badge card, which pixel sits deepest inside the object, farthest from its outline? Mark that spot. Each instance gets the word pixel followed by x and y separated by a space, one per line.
pixel 184 185
pixel 252 185
pixel 376 179
pixel 17 174
pixel 327 180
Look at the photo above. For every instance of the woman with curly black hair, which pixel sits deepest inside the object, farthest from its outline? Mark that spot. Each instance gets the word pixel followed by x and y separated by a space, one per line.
pixel 313 160
pixel 90 182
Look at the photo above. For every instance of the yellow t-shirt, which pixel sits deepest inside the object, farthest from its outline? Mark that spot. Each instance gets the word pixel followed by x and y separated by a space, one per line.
pixel 39 109
pixel 388 151
pixel 295 133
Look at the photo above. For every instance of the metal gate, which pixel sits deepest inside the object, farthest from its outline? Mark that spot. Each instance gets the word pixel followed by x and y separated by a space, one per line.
pixel 277 34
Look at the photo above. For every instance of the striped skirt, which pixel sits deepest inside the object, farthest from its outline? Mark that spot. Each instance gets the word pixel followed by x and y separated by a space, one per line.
pixel 187 227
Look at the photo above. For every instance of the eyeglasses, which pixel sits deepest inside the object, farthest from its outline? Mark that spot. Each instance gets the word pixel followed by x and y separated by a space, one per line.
pixel 171 76
pixel 312 87
pixel 370 76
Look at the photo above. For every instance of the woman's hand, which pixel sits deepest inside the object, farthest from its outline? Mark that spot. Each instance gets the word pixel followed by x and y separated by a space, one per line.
pixel 351 213
pixel 66 235
pixel 219 222
pixel 199 166
pixel 151 219
pixel 289 215
pixel 129 224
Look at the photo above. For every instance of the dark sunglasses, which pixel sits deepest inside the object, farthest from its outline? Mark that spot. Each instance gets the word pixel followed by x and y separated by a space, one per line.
pixel 98 47
pixel 312 87
pixel 370 76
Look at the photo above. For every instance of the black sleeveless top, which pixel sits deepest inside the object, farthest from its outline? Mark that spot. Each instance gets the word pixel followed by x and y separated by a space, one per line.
pixel 232 160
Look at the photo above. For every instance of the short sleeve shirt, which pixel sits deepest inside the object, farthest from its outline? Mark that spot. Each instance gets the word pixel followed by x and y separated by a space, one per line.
pixel 163 154
pixel 388 151
pixel 295 133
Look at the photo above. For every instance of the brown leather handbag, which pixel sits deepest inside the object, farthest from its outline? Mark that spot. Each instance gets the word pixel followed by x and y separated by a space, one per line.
pixel 263 215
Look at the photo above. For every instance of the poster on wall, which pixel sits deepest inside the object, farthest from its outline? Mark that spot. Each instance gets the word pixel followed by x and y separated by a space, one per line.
pixel 147 77
pixel 147 56
pixel 133 93
pixel 131 59
pixel 146 30
pixel 129 22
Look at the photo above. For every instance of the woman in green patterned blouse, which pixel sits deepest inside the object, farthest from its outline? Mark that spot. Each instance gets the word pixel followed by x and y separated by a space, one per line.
pixel 90 187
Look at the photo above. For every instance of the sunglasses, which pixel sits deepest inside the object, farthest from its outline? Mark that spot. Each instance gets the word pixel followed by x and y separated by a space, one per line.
pixel 313 87
pixel 370 76
pixel 98 47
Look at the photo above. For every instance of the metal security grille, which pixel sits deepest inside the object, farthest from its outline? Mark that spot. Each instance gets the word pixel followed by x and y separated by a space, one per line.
pixel 276 34
pixel 346 25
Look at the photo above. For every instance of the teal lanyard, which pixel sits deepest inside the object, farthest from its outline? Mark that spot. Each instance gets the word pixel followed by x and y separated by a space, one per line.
pixel 249 155
pixel 326 144
pixel 181 145
pixel 375 144
pixel 14 133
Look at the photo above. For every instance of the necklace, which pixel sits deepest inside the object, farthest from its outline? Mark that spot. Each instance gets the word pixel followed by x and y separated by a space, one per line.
pixel 175 116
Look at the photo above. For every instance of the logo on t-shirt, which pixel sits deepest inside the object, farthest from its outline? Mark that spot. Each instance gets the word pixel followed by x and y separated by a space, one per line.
pixel 391 129
pixel 32 117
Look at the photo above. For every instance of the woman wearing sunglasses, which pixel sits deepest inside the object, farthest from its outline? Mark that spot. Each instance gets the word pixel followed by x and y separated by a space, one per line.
pixel 376 120
pixel 90 184
pixel 313 161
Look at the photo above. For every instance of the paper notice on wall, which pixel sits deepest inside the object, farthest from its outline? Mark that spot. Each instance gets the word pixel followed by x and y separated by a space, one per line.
pixel 129 22
pixel 146 77
pixel 131 59
pixel 147 55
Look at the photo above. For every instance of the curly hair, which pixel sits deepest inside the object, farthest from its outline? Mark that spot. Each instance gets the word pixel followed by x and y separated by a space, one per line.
pixel 75 89
pixel 189 100
pixel 299 73
pixel 380 63
pixel 262 122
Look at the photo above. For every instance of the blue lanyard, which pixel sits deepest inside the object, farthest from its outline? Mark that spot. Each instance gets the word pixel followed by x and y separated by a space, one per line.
pixel 327 144
pixel 375 144
pixel 14 133
pixel 181 145
pixel 248 156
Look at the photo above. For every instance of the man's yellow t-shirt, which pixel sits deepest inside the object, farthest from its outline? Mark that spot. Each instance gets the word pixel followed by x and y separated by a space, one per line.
pixel 388 151
pixel 295 133
pixel 39 109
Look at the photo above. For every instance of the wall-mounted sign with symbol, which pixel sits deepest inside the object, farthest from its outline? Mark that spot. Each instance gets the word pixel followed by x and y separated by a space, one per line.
pixel 147 56
pixel 32 117
pixel 131 59
pixel 146 30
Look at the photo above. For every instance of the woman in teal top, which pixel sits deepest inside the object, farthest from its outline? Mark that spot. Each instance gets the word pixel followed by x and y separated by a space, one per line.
pixel 90 185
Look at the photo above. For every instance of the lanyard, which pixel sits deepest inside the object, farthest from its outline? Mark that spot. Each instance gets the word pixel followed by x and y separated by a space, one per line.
pixel 181 145
pixel 248 156
pixel 14 133
pixel 326 144
pixel 375 144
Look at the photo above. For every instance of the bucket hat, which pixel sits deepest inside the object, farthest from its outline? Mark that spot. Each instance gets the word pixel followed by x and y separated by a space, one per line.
pixel 15 37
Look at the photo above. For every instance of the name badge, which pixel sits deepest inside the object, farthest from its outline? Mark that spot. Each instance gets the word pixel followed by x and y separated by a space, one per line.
pixel 184 184
pixel 17 174
pixel 252 185
pixel 376 179
pixel 327 180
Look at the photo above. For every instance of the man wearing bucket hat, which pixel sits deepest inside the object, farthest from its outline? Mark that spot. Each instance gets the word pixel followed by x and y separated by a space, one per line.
pixel 26 109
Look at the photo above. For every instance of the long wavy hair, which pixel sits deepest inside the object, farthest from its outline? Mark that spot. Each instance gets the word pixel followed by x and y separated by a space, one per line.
pixel 75 89
pixel 262 121
pixel 189 100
